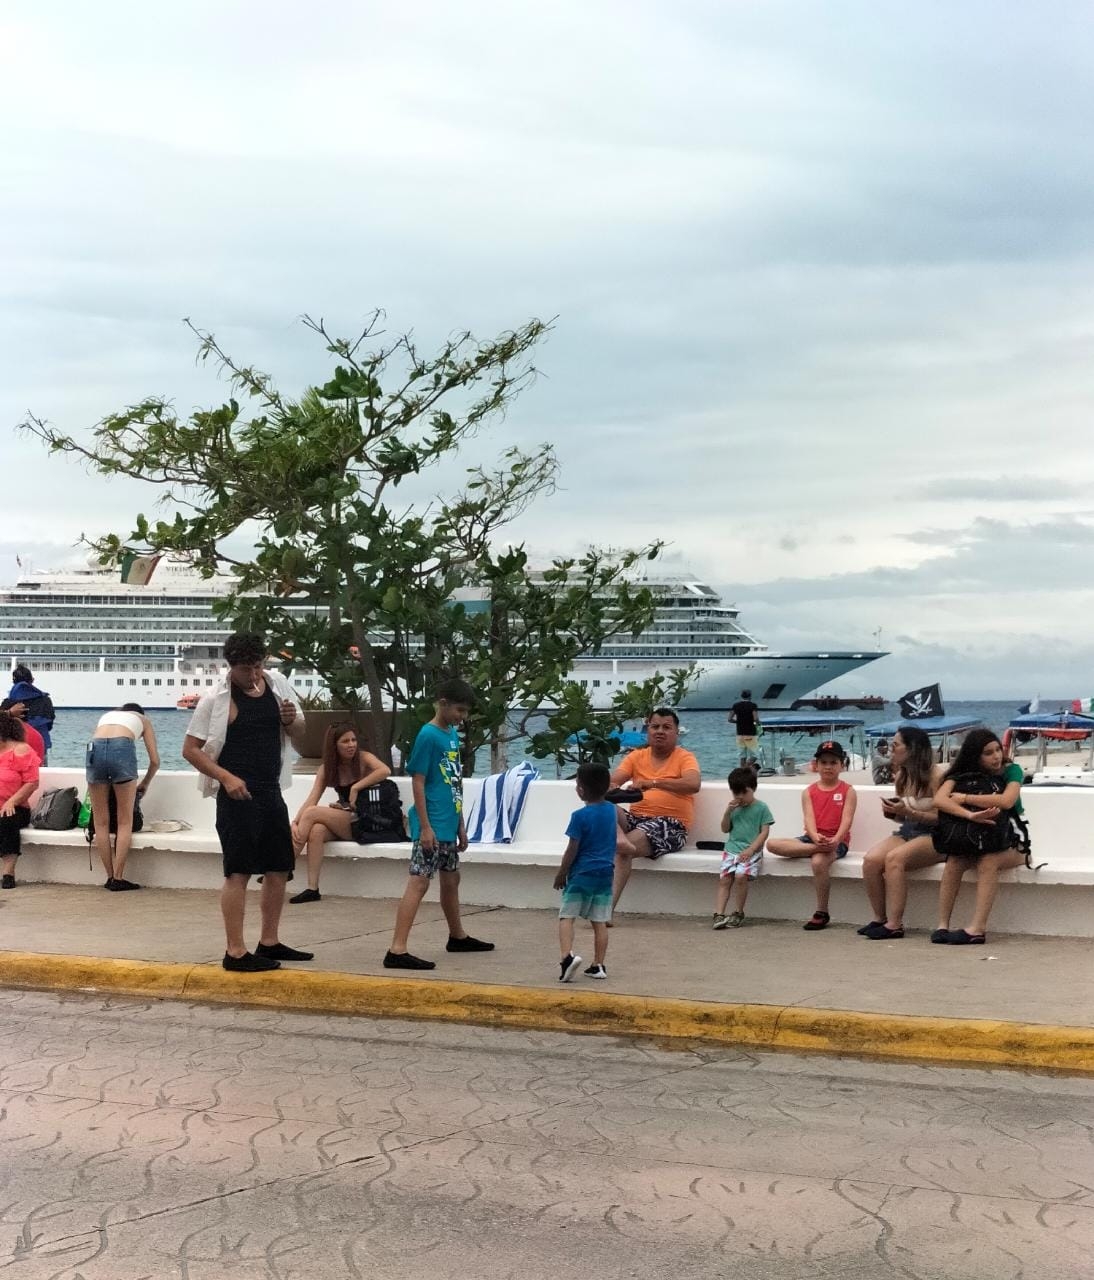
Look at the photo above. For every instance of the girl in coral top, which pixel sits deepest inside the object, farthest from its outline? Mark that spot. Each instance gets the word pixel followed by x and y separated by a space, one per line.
pixel 18 782
pixel 828 807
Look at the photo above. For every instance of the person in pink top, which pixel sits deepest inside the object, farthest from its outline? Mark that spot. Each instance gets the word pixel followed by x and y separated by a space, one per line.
pixel 828 807
pixel 18 782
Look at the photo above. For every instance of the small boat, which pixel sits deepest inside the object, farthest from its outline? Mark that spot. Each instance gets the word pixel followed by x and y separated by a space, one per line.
pixel 1043 729
pixel 188 701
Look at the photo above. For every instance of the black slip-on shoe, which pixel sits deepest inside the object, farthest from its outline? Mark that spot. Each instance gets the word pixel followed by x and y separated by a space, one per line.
pixel 307 895
pixel 248 963
pixel 278 951
pixel 404 960
pixel 8 882
pixel 468 944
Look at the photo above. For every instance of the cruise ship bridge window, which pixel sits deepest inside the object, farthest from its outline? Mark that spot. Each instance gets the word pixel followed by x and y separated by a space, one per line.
pixel 773 691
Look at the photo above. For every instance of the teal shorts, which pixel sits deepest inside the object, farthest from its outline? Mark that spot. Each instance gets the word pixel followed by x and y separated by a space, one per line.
pixel 591 901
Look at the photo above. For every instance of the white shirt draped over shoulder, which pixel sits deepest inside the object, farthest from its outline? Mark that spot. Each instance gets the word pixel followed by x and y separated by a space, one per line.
pixel 210 723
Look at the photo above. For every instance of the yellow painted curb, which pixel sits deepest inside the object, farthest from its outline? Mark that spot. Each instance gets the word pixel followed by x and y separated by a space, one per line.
pixel 918 1039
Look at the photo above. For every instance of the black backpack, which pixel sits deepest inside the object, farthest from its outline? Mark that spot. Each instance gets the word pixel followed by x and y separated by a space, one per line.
pixel 957 837
pixel 112 800
pixel 379 814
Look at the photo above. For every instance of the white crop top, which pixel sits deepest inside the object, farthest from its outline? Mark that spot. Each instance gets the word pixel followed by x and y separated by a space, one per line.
pixel 125 719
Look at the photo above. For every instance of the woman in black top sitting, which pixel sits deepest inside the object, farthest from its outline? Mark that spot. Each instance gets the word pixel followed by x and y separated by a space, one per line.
pixel 349 769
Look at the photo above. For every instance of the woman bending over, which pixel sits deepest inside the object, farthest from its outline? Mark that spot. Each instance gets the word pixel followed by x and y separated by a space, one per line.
pixel 112 765
pixel 981 753
pixel 885 867
pixel 349 769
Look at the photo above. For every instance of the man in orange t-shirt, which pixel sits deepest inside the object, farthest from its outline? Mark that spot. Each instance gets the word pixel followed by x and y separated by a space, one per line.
pixel 668 777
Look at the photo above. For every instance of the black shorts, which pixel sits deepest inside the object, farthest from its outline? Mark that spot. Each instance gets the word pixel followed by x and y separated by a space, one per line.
pixel 255 835
pixel 9 831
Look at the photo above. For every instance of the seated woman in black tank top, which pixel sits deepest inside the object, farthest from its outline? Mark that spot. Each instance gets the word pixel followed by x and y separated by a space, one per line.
pixel 349 769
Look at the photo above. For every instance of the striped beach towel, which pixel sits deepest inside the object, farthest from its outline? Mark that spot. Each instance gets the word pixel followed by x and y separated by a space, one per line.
pixel 496 810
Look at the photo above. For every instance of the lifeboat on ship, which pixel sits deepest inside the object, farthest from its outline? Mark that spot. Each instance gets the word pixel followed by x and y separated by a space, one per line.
pixel 188 701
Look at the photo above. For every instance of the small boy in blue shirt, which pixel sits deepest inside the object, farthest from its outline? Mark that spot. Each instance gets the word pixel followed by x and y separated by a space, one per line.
pixel 436 826
pixel 585 875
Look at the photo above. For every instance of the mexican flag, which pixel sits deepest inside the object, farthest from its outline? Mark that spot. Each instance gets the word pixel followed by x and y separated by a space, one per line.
pixel 137 570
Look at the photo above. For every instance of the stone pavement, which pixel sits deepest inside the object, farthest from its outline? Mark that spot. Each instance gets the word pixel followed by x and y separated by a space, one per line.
pixel 171 1141
pixel 1014 978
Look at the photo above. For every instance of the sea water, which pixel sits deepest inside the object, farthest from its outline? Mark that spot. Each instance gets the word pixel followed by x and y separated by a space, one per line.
pixel 707 734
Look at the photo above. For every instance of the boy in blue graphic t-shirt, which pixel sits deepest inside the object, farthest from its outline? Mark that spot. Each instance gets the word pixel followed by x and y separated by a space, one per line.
pixel 436 826
pixel 585 874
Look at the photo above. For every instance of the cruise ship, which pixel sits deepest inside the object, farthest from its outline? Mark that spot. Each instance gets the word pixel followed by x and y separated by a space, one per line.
pixel 93 641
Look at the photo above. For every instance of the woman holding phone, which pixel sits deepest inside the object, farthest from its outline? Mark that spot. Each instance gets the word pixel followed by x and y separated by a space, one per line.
pixel 885 867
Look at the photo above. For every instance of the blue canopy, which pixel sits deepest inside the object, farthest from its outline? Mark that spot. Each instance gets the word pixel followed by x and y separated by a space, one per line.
pixel 1049 720
pixel 628 738
pixel 808 721
pixel 929 724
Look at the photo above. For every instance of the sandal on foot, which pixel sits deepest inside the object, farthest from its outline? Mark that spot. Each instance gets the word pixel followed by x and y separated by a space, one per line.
pixel 879 932
pixel 818 920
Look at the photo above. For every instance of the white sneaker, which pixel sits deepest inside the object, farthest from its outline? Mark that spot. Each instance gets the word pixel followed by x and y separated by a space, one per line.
pixel 596 971
pixel 568 967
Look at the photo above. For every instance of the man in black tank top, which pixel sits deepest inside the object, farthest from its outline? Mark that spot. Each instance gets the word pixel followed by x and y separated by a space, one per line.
pixel 236 738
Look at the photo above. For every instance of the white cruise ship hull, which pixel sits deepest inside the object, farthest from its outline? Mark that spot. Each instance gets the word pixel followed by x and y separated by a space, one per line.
pixel 93 641
pixel 774 680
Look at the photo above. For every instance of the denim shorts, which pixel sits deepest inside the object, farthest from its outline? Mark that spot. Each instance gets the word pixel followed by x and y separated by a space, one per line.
pixel 111 760
pixel 912 830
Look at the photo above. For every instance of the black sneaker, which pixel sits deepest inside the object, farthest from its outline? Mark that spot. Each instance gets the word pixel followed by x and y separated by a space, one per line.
pixel 568 967
pixel 248 963
pixel 404 960
pixel 8 882
pixel 468 944
pixel 308 895
pixel 278 951
pixel 120 886
pixel 596 971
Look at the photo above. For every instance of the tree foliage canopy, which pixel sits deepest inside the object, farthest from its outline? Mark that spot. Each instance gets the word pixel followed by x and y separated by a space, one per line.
pixel 341 572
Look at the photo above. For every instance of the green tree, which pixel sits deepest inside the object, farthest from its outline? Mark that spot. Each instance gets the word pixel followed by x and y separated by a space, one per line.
pixel 344 574
pixel 575 732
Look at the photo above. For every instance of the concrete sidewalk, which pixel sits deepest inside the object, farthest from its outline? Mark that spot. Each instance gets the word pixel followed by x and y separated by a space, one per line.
pixel 1042 982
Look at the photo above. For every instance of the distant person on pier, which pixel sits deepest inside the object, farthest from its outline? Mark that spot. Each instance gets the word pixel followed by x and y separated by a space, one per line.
pixel 349 769
pixel 30 704
pixel 238 740
pixel 437 826
pixel 885 867
pixel 745 715
pixel 18 782
pixel 112 775
pixel 667 777
pixel 881 763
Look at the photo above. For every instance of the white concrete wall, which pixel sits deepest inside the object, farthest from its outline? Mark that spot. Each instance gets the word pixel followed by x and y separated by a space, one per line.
pixel 1054 900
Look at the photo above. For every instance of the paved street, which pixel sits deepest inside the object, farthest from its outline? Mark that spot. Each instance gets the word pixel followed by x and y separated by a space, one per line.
pixel 162 1141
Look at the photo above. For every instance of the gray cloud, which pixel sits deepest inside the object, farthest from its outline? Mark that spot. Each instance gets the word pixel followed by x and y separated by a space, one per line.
pixel 988 488
pixel 816 273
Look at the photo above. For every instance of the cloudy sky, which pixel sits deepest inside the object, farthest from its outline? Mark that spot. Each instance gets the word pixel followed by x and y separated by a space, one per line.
pixel 823 276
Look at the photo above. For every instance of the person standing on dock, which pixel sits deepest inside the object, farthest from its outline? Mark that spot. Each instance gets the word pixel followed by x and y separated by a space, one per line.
pixel 238 740
pixel 745 715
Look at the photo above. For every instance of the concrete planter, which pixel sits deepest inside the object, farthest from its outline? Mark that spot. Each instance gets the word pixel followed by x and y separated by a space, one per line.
pixel 372 728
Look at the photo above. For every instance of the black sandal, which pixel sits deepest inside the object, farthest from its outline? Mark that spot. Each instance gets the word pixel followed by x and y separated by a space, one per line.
pixel 959 938
pixel 818 920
